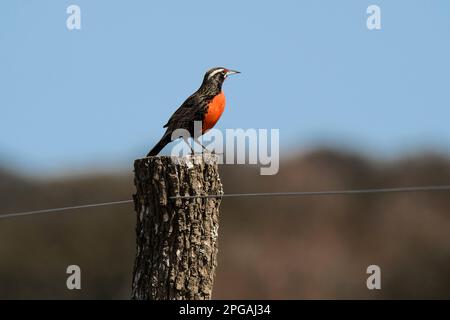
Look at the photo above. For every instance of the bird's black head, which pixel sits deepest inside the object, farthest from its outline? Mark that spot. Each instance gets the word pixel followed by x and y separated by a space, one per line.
pixel 215 77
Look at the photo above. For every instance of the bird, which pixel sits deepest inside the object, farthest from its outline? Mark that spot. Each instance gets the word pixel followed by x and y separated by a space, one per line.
pixel 206 105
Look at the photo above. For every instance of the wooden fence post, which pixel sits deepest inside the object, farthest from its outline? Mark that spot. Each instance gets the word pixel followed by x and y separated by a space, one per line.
pixel 176 239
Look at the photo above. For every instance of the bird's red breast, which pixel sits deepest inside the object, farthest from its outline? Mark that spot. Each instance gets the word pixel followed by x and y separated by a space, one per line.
pixel 215 109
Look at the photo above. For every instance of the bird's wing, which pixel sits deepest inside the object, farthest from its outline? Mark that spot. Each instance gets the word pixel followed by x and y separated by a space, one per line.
pixel 191 110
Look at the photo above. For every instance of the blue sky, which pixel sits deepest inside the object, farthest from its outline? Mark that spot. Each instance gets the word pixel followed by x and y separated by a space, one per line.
pixel 100 95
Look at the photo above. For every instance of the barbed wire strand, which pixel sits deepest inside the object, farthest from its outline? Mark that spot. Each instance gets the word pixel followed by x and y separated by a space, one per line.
pixel 235 195
pixel 321 193
pixel 84 206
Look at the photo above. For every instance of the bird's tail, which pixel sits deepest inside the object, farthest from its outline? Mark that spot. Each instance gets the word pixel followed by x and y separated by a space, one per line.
pixel 160 145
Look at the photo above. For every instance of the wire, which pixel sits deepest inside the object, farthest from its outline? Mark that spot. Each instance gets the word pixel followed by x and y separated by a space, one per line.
pixel 27 213
pixel 229 195
pixel 321 193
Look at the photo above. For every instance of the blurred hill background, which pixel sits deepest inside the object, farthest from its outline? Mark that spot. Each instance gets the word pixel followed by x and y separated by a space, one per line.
pixel 286 247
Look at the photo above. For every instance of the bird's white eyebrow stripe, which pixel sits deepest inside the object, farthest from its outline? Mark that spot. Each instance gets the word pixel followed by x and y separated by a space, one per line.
pixel 215 72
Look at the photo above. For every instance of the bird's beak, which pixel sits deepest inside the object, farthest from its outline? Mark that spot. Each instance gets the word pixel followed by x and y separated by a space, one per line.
pixel 229 72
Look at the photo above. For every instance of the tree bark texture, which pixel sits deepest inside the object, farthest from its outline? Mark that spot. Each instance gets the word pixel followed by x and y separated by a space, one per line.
pixel 177 239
